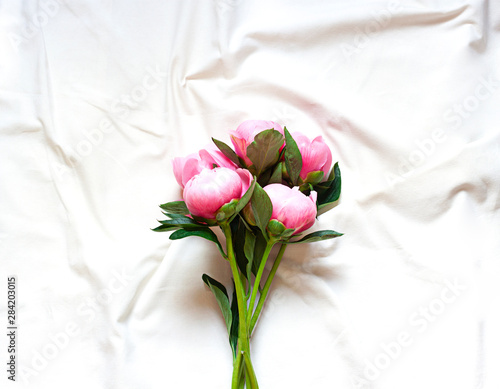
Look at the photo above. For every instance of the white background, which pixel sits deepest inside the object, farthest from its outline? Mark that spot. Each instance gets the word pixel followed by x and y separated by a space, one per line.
pixel 97 97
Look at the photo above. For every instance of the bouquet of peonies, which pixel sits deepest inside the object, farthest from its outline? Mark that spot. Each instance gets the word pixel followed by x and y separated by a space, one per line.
pixel 266 191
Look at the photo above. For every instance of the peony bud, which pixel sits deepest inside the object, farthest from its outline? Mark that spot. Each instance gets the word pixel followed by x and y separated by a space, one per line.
pixel 245 134
pixel 316 155
pixel 187 167
pixel 211 189
pixel 291 207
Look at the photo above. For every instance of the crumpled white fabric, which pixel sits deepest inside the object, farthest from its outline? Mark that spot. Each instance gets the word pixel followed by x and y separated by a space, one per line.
pixel 97 97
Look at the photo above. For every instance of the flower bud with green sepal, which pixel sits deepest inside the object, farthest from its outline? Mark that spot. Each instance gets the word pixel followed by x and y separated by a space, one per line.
pixel 278 231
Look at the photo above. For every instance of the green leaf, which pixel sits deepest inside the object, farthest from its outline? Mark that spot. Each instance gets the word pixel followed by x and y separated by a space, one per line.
pixel 314 178
pixel 265 176
pixel 264 150
pixel 222 298
pixel 329 191
pixel 319 235
pixel 293 158
pixel 246 197
pixel 238 234
pixel 227 211
pixel 202 232
pixel 227 151
pixel 277 175
pixel 262 208
pixel 249 250
pixel 260 247
pixel 180 222
pixel 164 228
pixel 233 334
pixel 287 233
pixel 331 176
pixel 176 207
pixel 204 222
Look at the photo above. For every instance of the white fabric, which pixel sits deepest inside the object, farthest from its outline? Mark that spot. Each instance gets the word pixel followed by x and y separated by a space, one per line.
pixel 96 98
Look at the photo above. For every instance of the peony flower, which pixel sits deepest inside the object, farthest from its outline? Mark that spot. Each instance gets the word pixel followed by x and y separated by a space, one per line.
pixel 316 155
pixel 291 207
pixel 209 190
pixel 245 134
pixel 187 167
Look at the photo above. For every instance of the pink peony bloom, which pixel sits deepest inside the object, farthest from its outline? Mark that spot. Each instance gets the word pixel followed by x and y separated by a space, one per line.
pixel 316 155
pixel 187 167
pixel 291 207
pixel 245 134
pixel 209 190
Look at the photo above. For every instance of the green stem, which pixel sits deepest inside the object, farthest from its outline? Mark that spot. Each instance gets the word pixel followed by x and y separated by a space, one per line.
pixel 265 291
pixel 243 348
pixel 250 373
pixel 237 370
pixel 258 277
